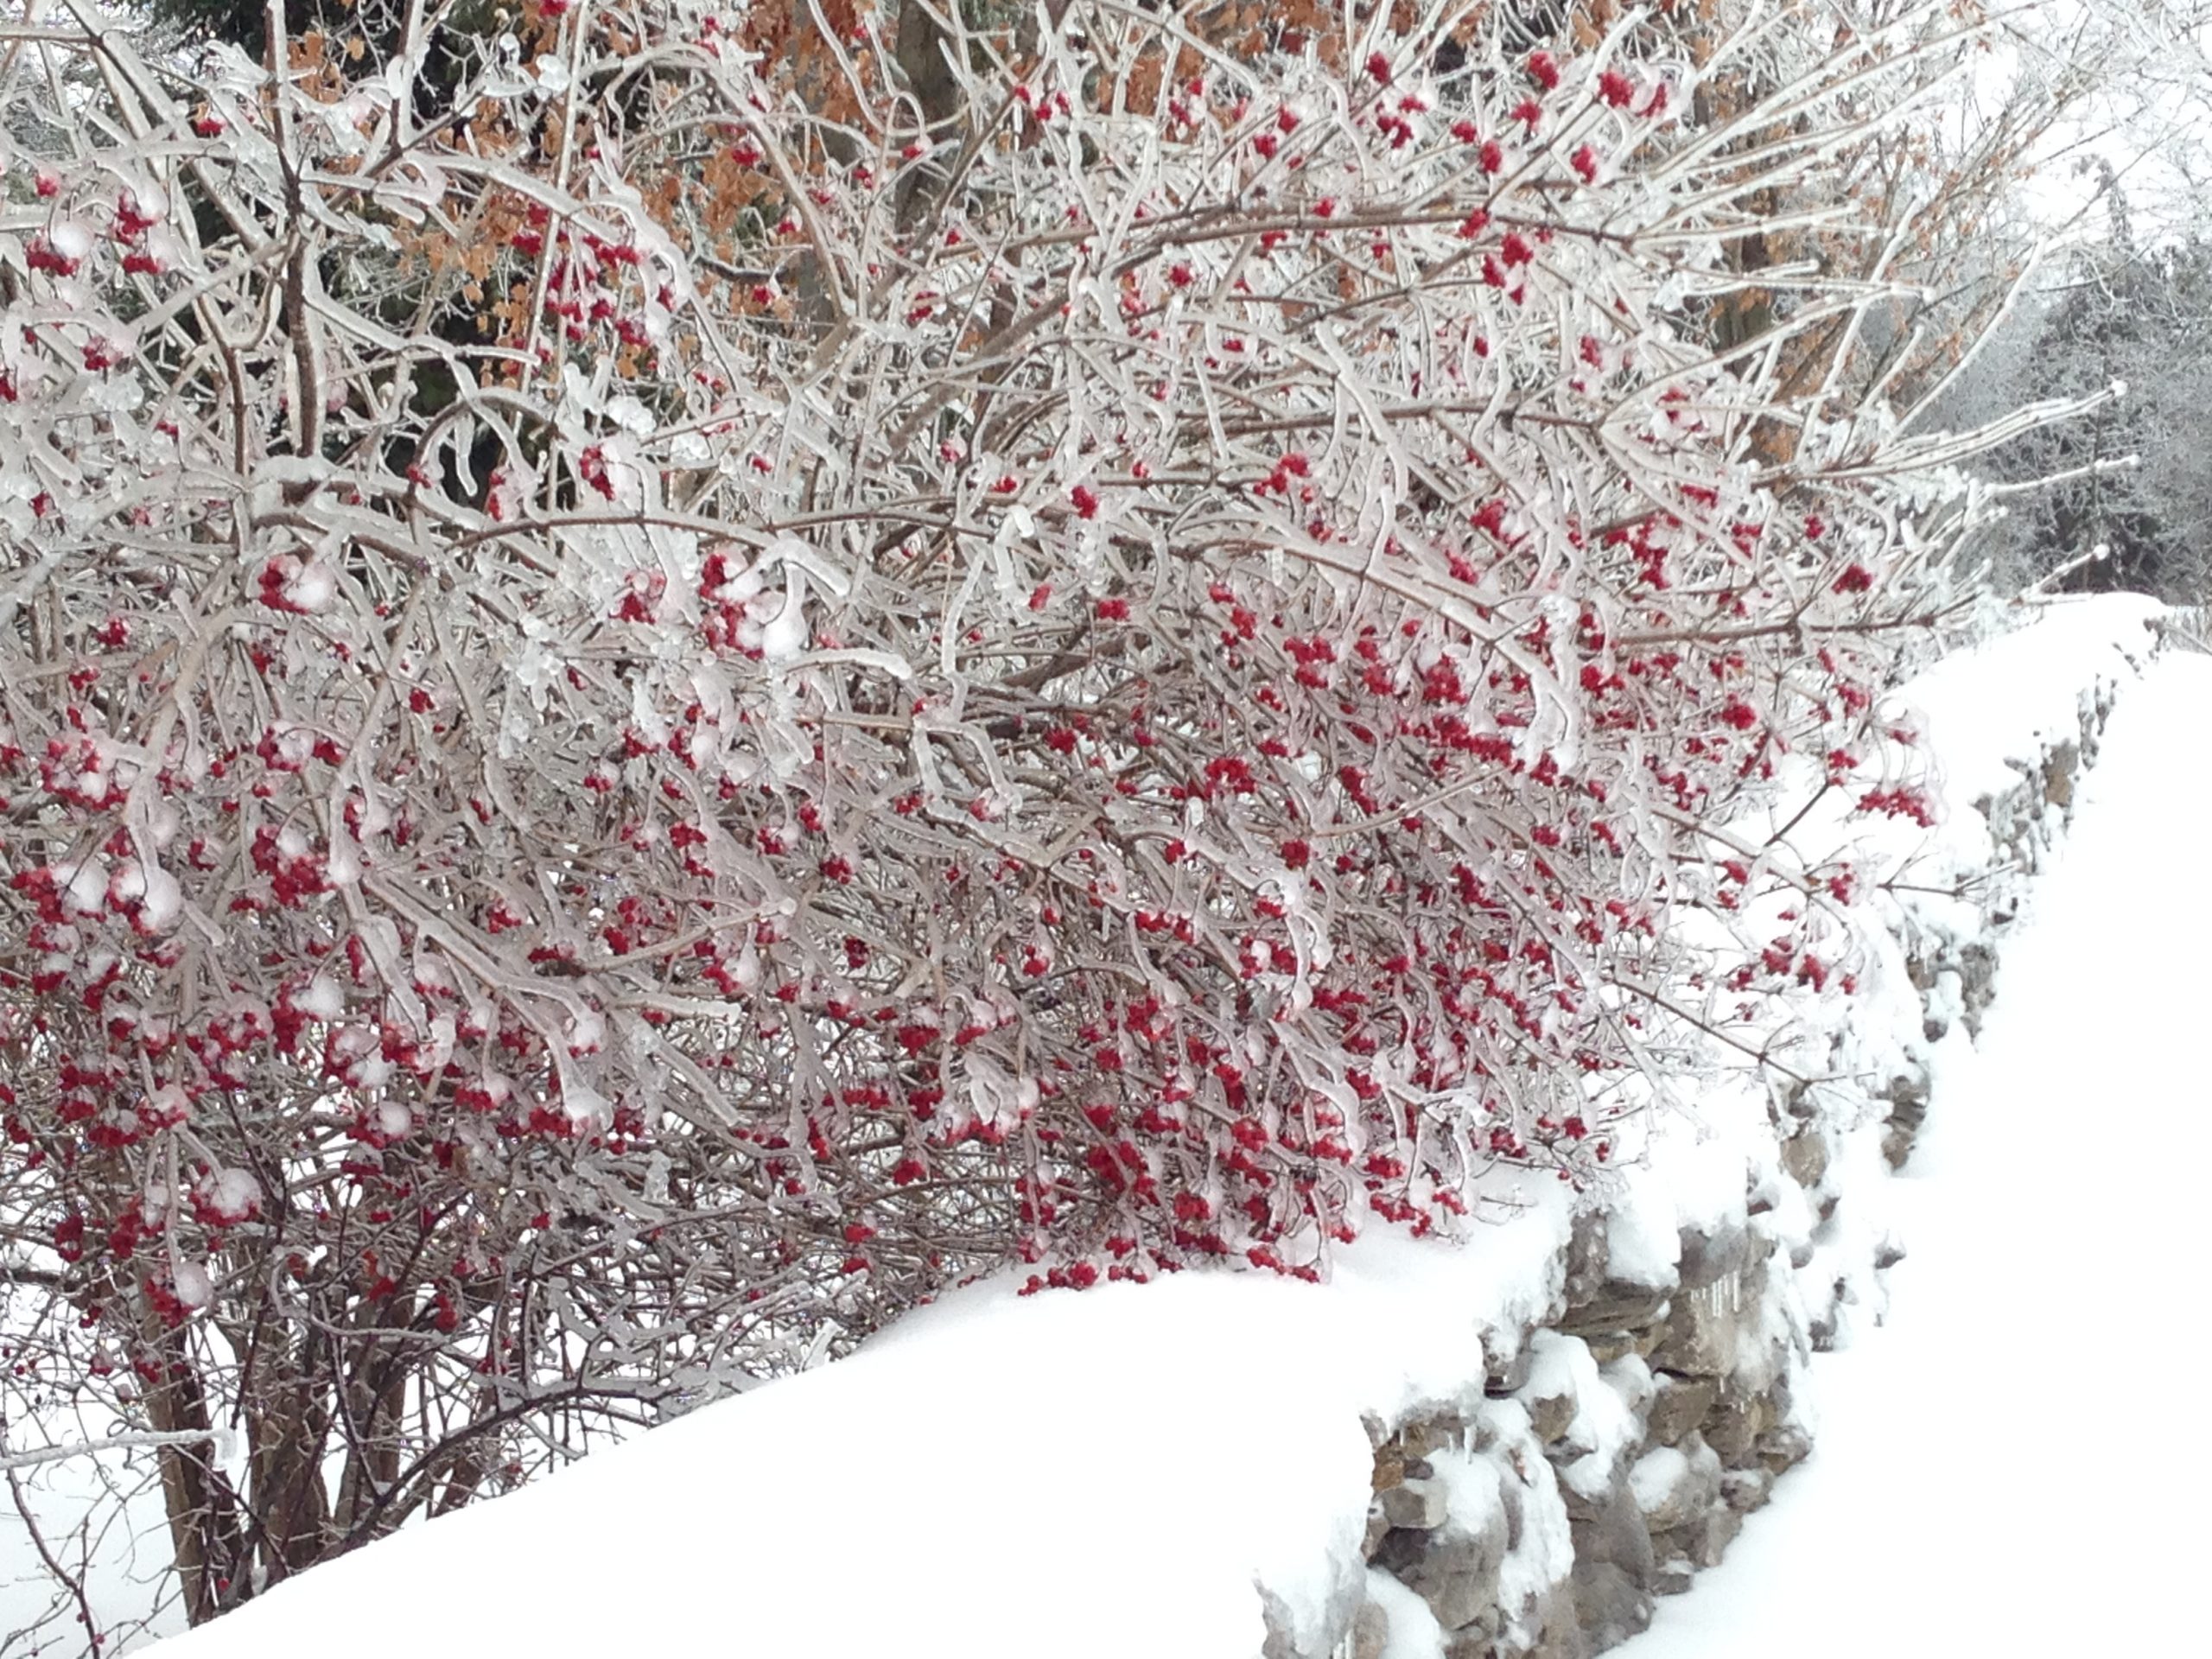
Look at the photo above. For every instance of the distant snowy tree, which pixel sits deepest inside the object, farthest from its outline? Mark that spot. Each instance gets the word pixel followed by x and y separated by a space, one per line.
pixel 2132 477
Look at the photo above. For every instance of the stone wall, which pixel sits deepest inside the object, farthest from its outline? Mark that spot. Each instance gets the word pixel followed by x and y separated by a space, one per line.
pixel 1615 1448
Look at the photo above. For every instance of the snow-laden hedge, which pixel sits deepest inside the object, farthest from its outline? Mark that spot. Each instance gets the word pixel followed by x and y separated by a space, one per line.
pixel 1508 1448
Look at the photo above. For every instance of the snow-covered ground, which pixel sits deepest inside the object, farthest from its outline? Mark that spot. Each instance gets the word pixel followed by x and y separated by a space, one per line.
pixel 1108 1474
pixel 2019 1462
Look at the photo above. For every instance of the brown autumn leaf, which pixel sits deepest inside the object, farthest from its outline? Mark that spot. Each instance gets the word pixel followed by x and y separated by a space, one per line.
pixel 1141 92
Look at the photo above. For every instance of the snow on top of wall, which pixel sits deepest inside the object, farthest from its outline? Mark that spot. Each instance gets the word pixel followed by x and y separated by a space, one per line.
pixel 1107 1473
pixel 1102 1474
pixel 1986 706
